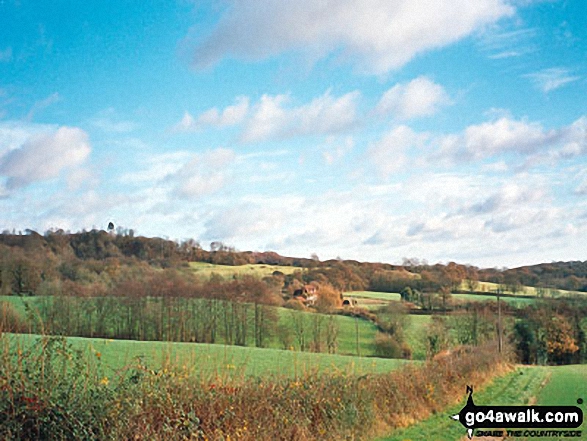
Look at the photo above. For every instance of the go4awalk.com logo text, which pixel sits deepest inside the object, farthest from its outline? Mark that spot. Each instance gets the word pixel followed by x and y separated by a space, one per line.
pixel 519 421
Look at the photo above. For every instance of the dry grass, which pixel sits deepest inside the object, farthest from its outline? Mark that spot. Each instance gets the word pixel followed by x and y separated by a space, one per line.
pixel 55 392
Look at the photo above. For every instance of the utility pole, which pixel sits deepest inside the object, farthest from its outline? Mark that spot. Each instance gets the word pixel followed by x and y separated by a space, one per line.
pixel 499 330
pixel 357 334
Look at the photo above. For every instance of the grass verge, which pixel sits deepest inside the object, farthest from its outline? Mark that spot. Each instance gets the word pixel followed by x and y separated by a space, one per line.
pixel 51 390
pixel 540 385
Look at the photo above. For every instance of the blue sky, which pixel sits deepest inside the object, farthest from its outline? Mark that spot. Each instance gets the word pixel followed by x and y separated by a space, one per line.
pixel 369 130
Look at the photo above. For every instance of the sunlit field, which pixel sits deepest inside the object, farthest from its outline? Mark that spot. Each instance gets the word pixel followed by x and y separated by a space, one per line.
pixel 542 385
pixel 209 360
pixel 226 271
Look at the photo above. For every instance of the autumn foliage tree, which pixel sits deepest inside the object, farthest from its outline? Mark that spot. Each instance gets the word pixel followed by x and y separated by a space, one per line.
pixel 546 334
pixel 328 298
pixel 559 340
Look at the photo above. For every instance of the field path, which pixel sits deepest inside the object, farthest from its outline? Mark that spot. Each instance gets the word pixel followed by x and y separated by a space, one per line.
pixel 515 388
pixel 540 385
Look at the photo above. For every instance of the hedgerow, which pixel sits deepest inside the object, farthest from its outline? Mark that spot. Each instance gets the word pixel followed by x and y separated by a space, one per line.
pixel 52 391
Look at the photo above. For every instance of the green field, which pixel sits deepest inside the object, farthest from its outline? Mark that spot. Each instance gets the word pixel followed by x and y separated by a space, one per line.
pixel 347 326
pixel 371 300
pixel 530 291
pixel 566 384
pixel 490 287
pixel 493 298
pixel 213 360
pixel 415 332
pixel 227 271
pixel 347 343
pixel 542 385
pixel 374 295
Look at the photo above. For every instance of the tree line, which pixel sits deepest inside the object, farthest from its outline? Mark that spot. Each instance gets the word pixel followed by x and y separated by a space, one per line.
pixel 27 259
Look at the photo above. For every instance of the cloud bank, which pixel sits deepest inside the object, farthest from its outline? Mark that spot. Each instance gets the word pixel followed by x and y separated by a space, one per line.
pixel 44 156
pixel 376 35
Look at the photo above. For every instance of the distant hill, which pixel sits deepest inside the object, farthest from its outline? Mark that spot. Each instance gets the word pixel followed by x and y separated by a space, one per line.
pixel 56 252
pixel 570 276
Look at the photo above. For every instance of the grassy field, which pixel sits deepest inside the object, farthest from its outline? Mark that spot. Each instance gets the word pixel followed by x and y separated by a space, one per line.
pixel 415 332
pixel 213 360
pixel 493 298
pixel 485 293
pixel 489 287
pixel 347 326
pixel 371 299
pixel 566 384
pixel 227 271
pixel 347 336
pixel 530 291
pixel 72 388
pixel 19 305
pixel 384 296
pixel 541 385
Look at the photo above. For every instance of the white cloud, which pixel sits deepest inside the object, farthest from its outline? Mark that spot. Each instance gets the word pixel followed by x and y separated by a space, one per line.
pixel 90 207
pixel 272 119
pixel 328 221
pixel 574 137
pixel 420 97
pixel 44 156
pixel 506 54
pixel 378 35
pixel 580 181
pixel 246 220
pixel 582 188
pixel 488 139
pixel 389 153
pixel 507 135
pixel 13 134
pixel 551 79
pixel 80 176
pixel 335 149
pixel 204 174
pixel 564 34
pixel 441 217
pixel 496 167
pixel 154 168
pixel 502 44
pixel 231 115
pixel 509 197
pixel 522 218
pixel 444 216
pixel 42 104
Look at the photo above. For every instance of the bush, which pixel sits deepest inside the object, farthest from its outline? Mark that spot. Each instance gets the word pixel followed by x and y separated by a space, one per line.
pixel 10 320
pixel 358 312
pixel 294 304
pixel 386 346
pixel 49 391
pixel 328 298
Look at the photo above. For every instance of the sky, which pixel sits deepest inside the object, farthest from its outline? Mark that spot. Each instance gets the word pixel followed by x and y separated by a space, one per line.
pixel 354 129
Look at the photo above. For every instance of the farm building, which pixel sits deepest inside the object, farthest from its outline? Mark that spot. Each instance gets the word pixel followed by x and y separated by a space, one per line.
pixel 307 295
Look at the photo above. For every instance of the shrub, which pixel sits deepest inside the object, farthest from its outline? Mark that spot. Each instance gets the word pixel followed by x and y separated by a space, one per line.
pixel 387 346
pixel 328 298
pixel 50 391
pixel 294 304
pixel 10 320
